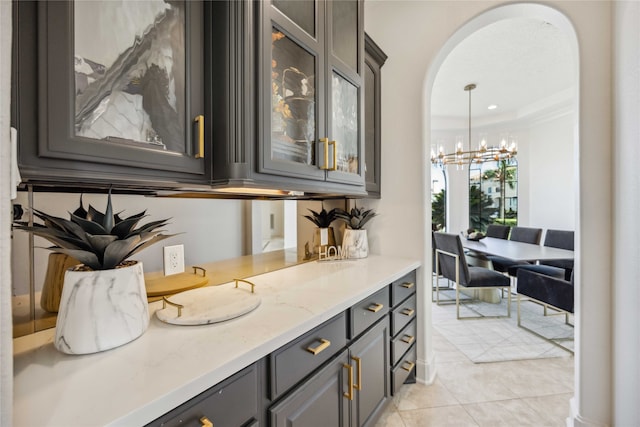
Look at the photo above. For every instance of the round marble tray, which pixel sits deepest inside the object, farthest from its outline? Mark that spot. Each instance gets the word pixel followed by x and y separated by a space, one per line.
pixel 207 305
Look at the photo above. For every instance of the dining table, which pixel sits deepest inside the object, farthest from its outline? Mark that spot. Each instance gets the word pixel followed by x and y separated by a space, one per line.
pixel 516 251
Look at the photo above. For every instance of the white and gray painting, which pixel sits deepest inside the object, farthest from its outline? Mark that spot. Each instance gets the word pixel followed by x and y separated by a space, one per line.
pixel 130 71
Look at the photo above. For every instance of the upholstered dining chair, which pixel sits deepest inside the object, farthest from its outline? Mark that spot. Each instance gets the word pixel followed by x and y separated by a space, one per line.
pixel 561 268
pixel 451 259
pixel 498 231
pixel 518 234
pixel 556 293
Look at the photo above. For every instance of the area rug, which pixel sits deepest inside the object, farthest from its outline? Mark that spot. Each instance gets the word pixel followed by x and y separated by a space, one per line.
pixel 493 340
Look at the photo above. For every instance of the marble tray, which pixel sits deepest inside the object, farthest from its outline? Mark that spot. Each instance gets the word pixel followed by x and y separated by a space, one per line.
pixel 210 304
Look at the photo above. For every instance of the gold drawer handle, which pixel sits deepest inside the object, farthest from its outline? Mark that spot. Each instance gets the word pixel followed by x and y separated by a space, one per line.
pixel 408 366
pixel 165 301
pixel 349 394
pixel 408 339
pixel 408 311
pixel 205 422
pixel 245 281
pixel 375 307
pixel 408 285
pixel 359 375
pixel 195 271
pixel 200 121
pixel 324 344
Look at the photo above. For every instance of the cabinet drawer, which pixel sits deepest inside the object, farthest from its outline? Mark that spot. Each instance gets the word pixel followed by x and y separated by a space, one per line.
pixel 402 342
pixel 402 288
pixel 292 362
pixel 368 311
pixel 402 315
pixel 402 370
pixel 233 402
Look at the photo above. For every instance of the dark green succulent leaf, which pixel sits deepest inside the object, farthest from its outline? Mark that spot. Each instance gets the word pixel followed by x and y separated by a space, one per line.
pixel 95 215
pixel 322 219
pixel 118 251
pixel 124 227
pixel 88 225
pixel 100 242
pixel 81 212
pixel 108 221
pixel 87 258
pixel 57 237
pixel 150 226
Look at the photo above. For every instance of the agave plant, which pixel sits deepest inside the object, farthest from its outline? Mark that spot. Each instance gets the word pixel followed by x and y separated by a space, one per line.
pixel 101 241
pixel 357 218
pixel 322 219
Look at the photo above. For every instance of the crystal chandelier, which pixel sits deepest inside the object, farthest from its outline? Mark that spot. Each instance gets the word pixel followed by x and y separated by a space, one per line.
pixel 482 154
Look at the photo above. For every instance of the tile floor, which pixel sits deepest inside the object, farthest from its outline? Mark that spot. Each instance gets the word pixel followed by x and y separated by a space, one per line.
pixel 512 393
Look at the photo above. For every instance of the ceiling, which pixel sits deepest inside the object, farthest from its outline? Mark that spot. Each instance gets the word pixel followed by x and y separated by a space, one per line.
pixel 520 65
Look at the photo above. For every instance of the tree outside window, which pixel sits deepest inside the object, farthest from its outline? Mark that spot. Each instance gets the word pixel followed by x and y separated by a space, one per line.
pixel 493 194
pixel 438 199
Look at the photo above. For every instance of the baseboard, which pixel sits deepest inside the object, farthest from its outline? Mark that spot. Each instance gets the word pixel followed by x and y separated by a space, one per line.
pixel 426 370
pixel 575 420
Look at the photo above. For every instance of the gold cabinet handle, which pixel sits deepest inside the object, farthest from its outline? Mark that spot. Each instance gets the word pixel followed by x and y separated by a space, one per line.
pixel 358 386
pixel 247 282
pixel 408 311
pixel 200 121
pixel 349 394
pixel 325 141
pixel 408 366
pixel 324 344
pixel 408 339
pixel 408 285
pixel 335 156
pixel 205 422
pixel 165 301
pixel 375 307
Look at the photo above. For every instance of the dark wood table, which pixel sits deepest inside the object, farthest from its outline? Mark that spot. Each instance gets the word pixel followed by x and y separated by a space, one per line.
pixel 516 251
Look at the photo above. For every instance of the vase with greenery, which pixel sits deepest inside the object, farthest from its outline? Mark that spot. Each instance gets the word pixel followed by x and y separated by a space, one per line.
pixel 355 241
pixel 103 303
pixel 324 235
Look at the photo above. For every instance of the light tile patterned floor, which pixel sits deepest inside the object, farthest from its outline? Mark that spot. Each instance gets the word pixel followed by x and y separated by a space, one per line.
pixel 532 392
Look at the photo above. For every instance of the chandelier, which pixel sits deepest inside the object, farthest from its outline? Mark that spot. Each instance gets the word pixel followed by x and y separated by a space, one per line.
pixel 460 157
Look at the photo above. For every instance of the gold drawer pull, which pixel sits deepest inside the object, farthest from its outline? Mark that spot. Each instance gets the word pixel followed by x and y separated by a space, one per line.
pixel 349 394
pixel 317 350
pixel 408 339
pixel 245 281
pixel 408 311
pixel 205 422
pixel 200 121
pixel 359 375
pixel 408 366
pixel 165 301
pixel 375 307
pixel 195 271
pixel 408 285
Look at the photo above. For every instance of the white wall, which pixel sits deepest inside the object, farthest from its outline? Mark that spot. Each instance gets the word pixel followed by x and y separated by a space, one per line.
pixel 412 33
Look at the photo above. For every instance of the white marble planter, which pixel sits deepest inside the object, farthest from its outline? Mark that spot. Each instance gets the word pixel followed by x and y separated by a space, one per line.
pixel 355 243
pixel 100 310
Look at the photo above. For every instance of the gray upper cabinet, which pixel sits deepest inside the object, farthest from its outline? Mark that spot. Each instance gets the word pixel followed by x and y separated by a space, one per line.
pixel 110 93
pixel 310 91
pixel 374 59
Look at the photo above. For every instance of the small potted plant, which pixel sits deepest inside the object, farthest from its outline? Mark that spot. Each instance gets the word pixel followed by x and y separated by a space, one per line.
pixel 354 242
pixel 104 301
pixel 324 235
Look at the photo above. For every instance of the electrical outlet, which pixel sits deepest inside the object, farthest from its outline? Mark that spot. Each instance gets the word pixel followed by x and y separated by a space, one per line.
pixel 173 259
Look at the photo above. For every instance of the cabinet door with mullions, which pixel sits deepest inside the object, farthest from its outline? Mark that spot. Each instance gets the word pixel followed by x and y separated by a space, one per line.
pixel 121 85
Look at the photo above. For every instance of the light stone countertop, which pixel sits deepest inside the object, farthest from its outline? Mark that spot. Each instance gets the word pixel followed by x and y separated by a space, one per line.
pixel 168 365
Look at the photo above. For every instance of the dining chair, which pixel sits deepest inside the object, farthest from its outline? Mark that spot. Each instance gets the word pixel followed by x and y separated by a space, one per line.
pixel 561 268
pixel 555 293
pixel 451 259
pixel 498 231
pixel 518 234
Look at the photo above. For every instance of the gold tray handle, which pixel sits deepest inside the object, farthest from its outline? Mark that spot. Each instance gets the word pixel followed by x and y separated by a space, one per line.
pixel 375 307
pixel 165 301
pixel 408 285
pixel 196 268
pixel 246 281
pixel 324 344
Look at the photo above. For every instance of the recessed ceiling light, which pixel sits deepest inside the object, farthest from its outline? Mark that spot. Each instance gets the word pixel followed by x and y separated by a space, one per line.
pixel 492 107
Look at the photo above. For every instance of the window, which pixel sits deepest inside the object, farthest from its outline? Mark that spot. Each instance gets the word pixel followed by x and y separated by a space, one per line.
pixel 438 199
pixel 493 194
